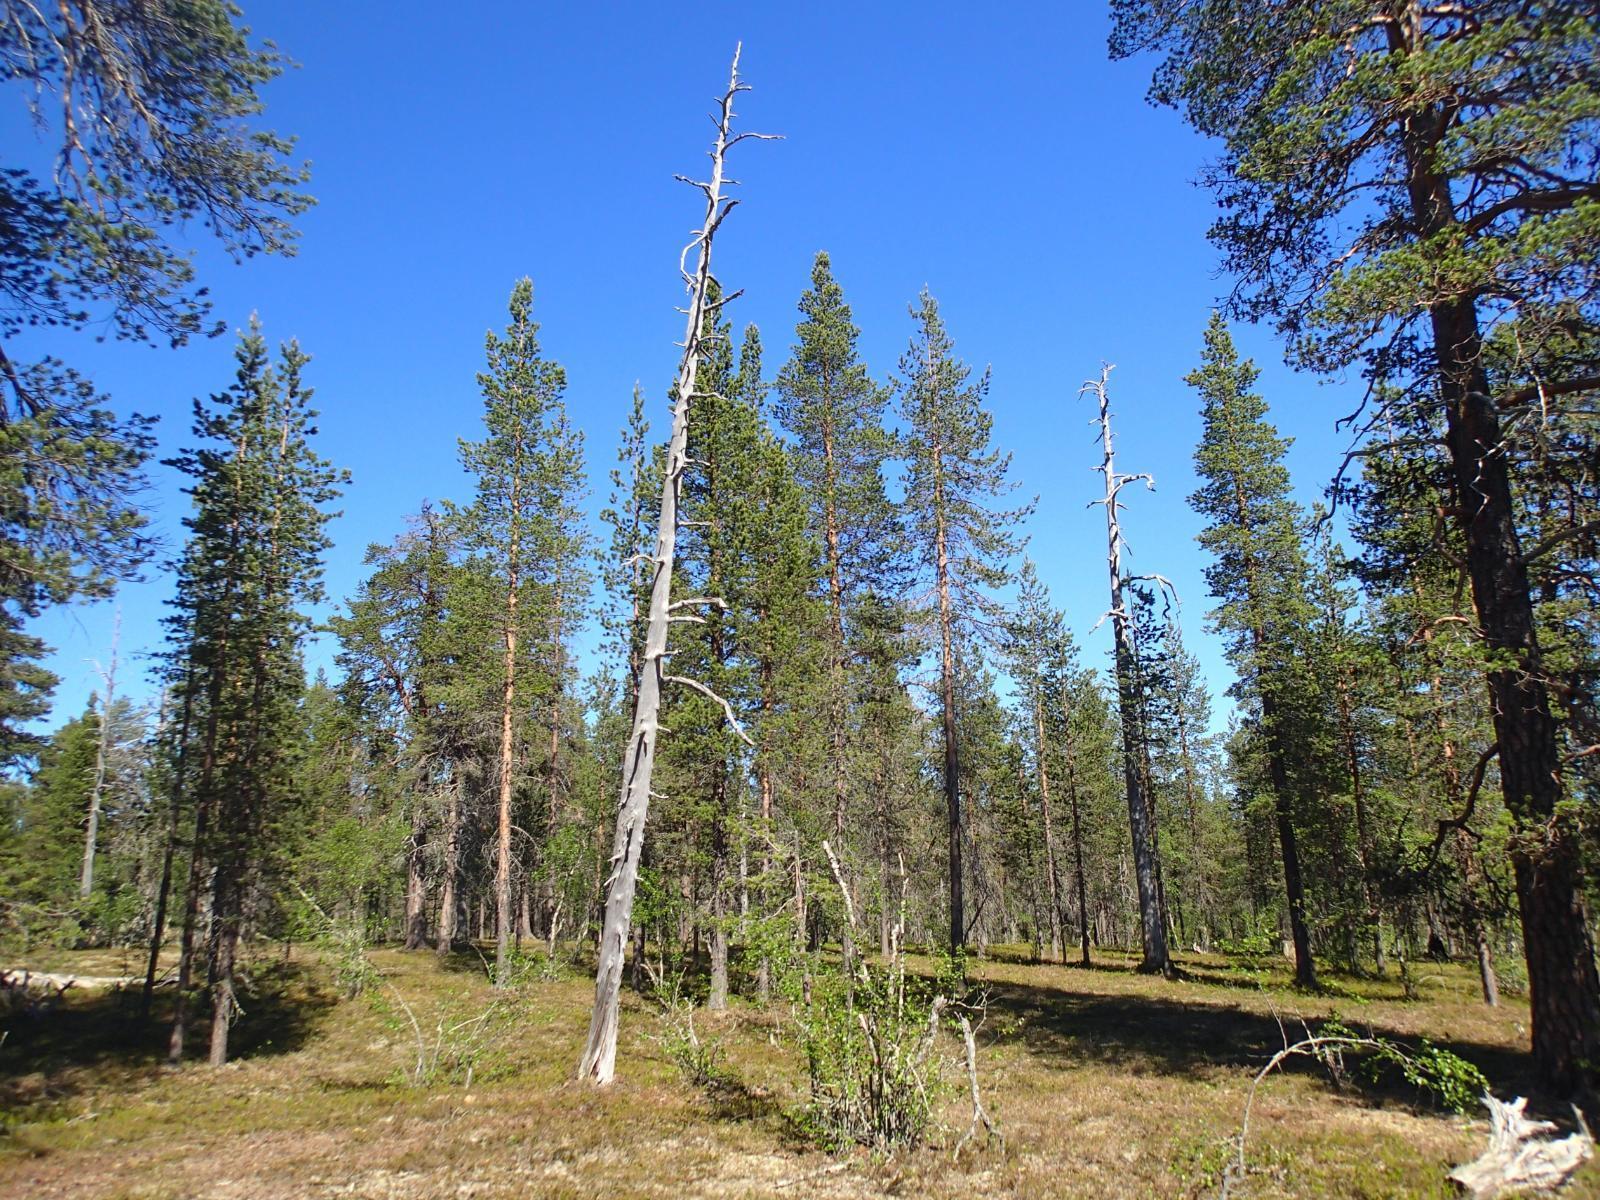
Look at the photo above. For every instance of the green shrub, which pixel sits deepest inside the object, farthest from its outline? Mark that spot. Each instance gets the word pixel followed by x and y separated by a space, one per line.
pixel 1445 1078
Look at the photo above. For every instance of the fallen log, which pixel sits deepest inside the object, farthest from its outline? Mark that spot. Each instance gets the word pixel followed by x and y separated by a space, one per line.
pixel 1519 1159
pixel 22 977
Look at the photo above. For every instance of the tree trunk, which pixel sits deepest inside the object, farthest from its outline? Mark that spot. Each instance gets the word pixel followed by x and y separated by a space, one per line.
pixel 197 868
pixel 225 918
pixel 1051 877
pixel 1077 855
pixel 838 715
pixel 174 824
pixel 1152 924
pixel 416 934
pixel 547 887
pixel 717 997
pixel 448 901
pixel 947 686
pixel 1305 971
pixel 600 1051
pixel 1564 989
pixel 508 696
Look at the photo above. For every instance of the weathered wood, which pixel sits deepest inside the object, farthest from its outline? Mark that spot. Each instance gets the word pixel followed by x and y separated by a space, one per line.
pixel 91 830
pixel 1152 921
pixel 1518 1159
pixel 22 977
pixel 599 1055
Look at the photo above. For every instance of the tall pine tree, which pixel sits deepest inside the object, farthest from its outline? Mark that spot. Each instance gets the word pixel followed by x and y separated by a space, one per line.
pixel 961 541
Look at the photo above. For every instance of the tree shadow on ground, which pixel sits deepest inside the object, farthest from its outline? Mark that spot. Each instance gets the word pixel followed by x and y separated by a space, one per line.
pixel 46 1056
pixel 1149 1034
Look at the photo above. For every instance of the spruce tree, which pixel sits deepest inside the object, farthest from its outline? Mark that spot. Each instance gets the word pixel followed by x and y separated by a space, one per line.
pixel 44 842
pixel 1259 578
pixel 251 567
pixel 960 541
pixel 1178 714
pixel 628 516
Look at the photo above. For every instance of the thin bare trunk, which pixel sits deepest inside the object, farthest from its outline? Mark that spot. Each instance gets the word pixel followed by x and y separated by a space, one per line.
pixel 600 1051
pixel 1152 922
pixel 91 833
pixel 448 900
pixel 174 818
pixel 1079 880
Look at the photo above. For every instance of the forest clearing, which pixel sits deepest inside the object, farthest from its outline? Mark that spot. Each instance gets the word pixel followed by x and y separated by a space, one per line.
pixel 882 788
pixel 1103 1082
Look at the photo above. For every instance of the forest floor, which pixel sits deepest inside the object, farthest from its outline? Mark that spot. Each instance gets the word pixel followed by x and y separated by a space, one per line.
pixel 1103 1082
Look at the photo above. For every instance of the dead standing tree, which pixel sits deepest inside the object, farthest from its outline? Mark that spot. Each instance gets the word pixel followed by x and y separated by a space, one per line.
pixel 599 1055
pixel 108 700
pixel 1152 921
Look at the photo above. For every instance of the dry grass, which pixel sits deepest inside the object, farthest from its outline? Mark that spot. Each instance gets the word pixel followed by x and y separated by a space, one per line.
pixel 1105 1083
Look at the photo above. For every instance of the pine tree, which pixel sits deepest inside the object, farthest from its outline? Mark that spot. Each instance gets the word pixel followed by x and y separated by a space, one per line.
pixel 528 472
pixel 1409 191
pixel 959 541
pixel 1259 576
pixel 834 412
pixel 158 102
pixel 1043 661
pixel 395 657
pixel 70 523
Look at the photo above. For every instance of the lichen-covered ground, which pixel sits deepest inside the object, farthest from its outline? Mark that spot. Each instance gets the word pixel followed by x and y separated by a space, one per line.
pixel 1103 1082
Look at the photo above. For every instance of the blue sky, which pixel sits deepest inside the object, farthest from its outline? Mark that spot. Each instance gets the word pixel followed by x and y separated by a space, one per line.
pixel 1005 163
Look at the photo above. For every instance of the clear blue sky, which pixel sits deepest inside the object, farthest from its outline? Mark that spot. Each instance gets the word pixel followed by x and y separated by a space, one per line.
pixel 1004 162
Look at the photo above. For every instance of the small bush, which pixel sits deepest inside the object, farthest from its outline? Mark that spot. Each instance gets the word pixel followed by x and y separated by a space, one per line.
pixel 1445 1078
pixel 871 1046
pixel 699 1061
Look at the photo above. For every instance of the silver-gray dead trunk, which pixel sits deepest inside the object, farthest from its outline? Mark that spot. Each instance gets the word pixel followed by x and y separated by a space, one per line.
pixel 599 1055
pixel 1152 922
pixel 91 832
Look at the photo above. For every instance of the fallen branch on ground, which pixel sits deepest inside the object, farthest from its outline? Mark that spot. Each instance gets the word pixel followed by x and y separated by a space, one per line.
pixel 1518 1159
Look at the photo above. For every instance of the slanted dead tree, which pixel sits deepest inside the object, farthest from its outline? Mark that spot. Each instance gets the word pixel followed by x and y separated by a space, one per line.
pixel 1152 921
pixel 638 764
